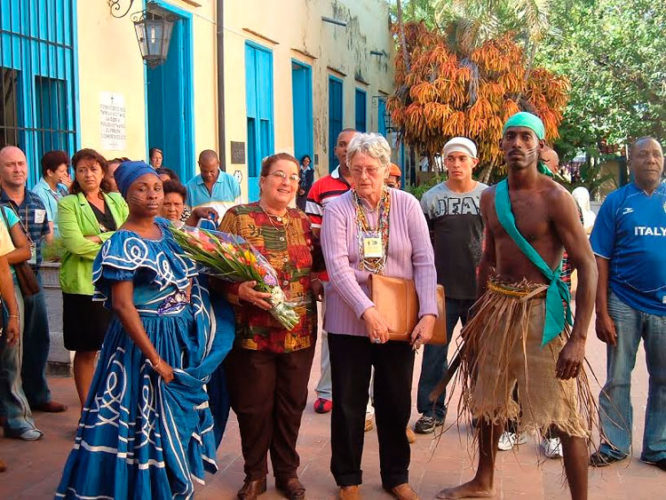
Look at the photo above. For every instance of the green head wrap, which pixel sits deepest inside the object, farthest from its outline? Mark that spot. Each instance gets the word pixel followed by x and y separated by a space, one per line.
pixel 528 120
pixel 534 123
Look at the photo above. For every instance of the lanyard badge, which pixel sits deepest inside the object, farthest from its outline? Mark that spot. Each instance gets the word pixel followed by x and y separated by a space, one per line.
pixel 372 245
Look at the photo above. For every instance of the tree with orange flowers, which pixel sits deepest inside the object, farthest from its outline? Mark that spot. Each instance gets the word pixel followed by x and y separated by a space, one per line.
pixel 444 91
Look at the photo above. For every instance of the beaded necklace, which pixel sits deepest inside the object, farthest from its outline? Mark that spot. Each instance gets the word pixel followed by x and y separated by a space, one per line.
pixel 283 219
pixel 374 265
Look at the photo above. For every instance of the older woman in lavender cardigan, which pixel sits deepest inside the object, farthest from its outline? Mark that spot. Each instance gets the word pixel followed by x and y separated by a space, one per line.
pixel 373 229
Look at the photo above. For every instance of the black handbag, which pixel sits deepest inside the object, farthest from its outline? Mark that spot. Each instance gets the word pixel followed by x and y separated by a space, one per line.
pixel 25 276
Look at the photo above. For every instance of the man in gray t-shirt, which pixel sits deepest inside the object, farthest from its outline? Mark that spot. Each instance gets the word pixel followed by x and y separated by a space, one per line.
pixel 452 211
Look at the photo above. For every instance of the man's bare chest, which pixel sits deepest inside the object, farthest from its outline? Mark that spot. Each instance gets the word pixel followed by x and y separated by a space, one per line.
pixel 532 217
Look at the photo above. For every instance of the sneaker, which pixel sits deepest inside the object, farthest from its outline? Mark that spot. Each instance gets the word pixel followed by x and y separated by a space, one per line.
pixel 30 435
pixel 552 448
pixel 510 439
pixel 426 424
pixel 322 405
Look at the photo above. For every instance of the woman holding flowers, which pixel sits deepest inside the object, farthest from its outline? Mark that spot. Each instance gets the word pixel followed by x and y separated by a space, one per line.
pixel 269 367
pixel 146 430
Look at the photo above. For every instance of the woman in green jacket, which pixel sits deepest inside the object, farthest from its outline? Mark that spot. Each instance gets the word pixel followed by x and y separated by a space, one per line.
pixel 86 219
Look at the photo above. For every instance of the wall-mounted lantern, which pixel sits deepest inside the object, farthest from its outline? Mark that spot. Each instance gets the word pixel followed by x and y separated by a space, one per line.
pixel 153 28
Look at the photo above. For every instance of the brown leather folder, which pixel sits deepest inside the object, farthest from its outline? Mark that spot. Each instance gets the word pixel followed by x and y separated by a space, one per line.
pixel 397 302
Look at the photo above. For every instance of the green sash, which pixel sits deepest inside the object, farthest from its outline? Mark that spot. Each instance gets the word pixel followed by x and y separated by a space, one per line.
pixel 558 293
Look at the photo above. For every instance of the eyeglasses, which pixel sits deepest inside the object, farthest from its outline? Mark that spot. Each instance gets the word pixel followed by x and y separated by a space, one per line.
pixel 294 178
pixel 358 172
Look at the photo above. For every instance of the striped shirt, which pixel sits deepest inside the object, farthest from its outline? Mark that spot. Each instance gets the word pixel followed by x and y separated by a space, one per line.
pixel 410 256
pixel 322 192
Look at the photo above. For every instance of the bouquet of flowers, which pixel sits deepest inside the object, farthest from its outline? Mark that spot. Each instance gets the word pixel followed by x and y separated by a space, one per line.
pixel 231 258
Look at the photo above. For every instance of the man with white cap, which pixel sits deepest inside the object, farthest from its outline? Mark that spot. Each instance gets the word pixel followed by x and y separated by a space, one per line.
pixel 452 211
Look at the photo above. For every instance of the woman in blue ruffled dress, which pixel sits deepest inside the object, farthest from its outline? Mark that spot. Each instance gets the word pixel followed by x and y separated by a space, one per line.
pixel 146 430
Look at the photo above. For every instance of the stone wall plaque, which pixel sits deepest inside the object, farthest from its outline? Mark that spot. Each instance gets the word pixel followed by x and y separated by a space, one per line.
pixel 237 153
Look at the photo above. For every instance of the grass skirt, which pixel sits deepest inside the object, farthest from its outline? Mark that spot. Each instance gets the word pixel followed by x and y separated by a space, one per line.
pixel 503 349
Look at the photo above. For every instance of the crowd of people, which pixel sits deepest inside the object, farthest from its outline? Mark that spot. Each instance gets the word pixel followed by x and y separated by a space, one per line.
pixel 163 352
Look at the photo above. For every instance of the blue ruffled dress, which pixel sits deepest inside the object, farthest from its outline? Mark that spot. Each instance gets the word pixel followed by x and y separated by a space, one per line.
pixel 139 437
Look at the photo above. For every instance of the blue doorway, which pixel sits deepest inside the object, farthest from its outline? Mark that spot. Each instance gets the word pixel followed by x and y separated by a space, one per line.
pixel 334 118
pixel 170 100
pixel 259 105
pixel 301 86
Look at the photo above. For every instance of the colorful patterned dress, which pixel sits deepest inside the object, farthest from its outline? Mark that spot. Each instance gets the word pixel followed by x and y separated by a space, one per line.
pixel 139 437
pixel 286 242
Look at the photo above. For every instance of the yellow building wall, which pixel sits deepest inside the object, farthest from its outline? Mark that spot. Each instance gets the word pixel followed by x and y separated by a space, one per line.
pixel 293 29
pixel 109 60
pixel 204 32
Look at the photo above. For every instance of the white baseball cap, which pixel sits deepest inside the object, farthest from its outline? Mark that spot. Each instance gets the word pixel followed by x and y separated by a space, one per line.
pixel 460 145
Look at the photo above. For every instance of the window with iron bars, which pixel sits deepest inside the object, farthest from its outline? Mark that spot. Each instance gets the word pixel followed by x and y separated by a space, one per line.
pixel 37 78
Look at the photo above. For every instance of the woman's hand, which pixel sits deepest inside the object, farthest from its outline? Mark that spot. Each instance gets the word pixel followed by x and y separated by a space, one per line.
pixel 94 239
pixel 188 291
pixel 375 326
pixel 317 288
pixel 12 329
pixel 258 299
pixel 66 180
pixel 422 332
pixel 164 370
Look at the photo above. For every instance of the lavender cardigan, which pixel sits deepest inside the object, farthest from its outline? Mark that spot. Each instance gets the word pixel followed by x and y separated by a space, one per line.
pixel 410 256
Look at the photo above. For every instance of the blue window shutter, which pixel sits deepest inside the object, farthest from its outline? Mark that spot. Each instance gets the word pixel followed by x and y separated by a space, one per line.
pixel 381 116
pixel 361 105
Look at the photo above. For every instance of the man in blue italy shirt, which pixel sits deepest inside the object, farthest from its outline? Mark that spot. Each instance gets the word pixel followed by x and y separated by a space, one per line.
pixel 629 241
pixel 212 188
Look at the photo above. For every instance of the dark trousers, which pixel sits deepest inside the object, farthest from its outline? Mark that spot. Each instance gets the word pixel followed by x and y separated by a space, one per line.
pixel 36 342
pixel 435 365
pixel 268 393
pixel 351 360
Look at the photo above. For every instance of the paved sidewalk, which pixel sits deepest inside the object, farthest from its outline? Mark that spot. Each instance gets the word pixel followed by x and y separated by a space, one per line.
pixel 35 468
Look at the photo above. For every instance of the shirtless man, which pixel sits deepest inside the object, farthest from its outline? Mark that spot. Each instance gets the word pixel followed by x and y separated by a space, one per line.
pixel 546 215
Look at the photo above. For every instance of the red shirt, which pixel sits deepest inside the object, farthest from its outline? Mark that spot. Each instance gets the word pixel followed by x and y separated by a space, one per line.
pixel 322 192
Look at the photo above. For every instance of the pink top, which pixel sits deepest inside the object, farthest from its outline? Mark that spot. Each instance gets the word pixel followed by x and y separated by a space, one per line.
pixel 410 256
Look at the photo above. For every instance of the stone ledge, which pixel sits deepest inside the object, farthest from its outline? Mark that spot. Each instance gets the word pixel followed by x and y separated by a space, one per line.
pixel 56 369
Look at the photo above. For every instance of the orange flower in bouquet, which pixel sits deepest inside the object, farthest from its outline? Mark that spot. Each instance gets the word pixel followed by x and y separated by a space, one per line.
pixel 231 258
